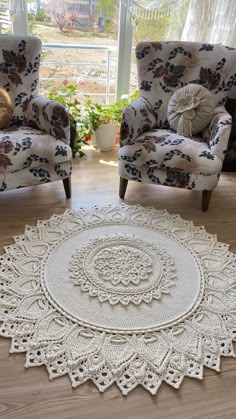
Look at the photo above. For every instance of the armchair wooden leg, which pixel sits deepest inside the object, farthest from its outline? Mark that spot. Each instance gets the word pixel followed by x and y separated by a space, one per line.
pixel 123 187
pixel 206 196
pixel 67 186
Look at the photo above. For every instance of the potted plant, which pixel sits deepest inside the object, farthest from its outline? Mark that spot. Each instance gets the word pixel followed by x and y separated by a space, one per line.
pixel 79 125
pixel 91 121
pixel 103 121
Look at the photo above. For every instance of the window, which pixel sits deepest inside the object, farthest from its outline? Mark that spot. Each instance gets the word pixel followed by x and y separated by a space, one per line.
pixel 73 22
pixel 84 8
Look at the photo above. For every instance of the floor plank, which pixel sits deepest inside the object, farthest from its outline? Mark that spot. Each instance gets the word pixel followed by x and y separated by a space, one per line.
pixel 28 394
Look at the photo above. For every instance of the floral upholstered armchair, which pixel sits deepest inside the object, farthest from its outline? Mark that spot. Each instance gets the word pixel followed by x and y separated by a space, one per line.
pixel 150 151
pixel 34 148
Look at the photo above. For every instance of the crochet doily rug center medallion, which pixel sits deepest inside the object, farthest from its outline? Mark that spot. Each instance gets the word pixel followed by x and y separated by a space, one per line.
pixel 126 295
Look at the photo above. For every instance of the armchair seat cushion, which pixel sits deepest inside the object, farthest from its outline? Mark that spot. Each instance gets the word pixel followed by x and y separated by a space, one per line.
pixel 20 148
pixel 164 149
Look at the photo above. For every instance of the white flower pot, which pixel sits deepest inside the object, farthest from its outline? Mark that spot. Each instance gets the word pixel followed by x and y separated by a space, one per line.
pixel 93 139
pixel 106 136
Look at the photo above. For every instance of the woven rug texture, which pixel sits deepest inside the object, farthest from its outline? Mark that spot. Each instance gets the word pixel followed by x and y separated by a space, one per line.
pixel 126 295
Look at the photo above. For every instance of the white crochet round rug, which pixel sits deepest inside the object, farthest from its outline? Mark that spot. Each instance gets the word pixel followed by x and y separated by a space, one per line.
pixel 126 295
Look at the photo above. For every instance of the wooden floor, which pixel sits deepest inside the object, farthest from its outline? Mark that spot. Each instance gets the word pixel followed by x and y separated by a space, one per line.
pixel 27 393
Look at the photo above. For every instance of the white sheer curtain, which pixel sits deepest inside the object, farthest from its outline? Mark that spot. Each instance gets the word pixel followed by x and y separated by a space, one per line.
pixel 212 21
pixel 208 21
pixel 18 10
pixel 155 9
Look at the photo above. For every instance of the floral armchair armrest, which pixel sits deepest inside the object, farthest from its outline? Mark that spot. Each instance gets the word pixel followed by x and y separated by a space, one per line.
pixel 137 118
pixel 217 134
pixel 49 116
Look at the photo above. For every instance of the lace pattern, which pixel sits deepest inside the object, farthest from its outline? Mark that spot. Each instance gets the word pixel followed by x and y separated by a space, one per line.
pixel 123 269
pixel 41 319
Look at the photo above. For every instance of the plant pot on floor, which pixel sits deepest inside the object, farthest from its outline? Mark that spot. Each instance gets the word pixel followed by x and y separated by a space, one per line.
pixel 106 136
pixel 93 139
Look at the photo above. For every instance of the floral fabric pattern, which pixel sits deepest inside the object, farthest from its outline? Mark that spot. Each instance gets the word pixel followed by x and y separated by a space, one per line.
pixel 22 148
pixel 35 147
pixel 217 134
pixel 168 177
pixel 152 153
pixel 176 64
pixel 137 118
pixel 48 116
pixel 166 150
pixel 35 176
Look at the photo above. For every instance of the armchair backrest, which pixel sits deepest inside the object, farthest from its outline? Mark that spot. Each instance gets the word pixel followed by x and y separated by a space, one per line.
pixel 164 67
pixel 19 70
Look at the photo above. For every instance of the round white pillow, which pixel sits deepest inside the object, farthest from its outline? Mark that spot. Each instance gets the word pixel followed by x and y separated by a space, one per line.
pixel 190 109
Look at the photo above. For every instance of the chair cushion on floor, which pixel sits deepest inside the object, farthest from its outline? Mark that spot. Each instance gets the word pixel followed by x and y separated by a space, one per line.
pixel 25 147
pixel 166 149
